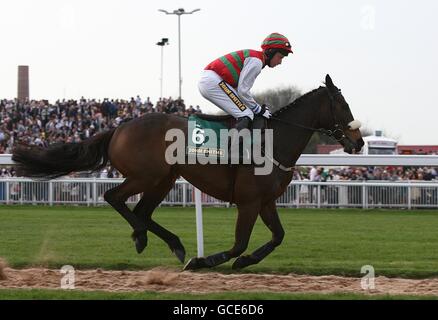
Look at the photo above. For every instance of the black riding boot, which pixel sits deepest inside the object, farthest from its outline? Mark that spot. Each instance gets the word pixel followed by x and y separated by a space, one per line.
pixel 258 123
pixel 241 123
pixel 258 140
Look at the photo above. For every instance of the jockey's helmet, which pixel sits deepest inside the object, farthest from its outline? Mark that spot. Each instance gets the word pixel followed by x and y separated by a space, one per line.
pixel 277 43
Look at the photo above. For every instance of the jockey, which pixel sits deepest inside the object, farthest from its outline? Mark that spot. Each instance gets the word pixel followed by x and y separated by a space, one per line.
pixel 227 81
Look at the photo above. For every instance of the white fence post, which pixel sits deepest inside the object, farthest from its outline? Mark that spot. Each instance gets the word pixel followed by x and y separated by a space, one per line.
pixel 94 191
pixel 364 195
pixel 7 186
pixel 318 196
pixel 297 194
pixel 199 224
pixel 184 194
pixel 50 193
pixel 87 194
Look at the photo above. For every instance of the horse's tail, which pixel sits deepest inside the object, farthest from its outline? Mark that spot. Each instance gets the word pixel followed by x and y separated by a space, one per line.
pixel 61 159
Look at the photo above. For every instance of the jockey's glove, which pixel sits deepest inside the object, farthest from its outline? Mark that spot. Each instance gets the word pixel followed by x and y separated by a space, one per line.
pixel 264 112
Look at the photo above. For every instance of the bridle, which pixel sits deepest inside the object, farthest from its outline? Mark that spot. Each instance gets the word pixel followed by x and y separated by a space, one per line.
pixel 336 133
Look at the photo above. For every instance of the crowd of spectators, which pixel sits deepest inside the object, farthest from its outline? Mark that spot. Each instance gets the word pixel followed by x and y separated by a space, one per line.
pixel 388 173
pixel 42 123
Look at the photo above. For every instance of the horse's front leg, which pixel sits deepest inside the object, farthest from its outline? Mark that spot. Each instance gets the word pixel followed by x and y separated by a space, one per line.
pixel 270 217
pixel 246 217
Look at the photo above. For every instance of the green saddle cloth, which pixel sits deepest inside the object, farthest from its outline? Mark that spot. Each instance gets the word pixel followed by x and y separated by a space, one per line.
pixel 203 138
pixel 208 138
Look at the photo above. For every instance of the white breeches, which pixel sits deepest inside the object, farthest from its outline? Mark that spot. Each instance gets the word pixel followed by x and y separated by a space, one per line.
pixel 216 90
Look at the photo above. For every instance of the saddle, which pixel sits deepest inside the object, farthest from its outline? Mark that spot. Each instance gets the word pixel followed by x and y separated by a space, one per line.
pixel 229 121
pixel 214 117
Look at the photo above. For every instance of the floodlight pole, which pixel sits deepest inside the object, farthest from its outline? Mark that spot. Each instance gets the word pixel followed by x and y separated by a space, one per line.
pixel 162 43
pixel 179 12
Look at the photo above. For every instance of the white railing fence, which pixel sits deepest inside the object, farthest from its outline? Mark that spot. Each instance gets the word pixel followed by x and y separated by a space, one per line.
pixel 299 194
pixel 374 194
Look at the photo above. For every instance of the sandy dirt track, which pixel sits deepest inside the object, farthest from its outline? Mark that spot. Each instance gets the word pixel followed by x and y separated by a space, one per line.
pixel 168 280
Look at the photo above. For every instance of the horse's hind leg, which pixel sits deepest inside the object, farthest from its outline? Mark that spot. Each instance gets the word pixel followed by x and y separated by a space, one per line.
pixel 247 216
pixel 270 217
pixel 117 197
pixel 146 207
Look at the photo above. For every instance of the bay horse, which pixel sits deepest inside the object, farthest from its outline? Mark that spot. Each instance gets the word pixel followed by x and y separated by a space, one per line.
pixel 137 150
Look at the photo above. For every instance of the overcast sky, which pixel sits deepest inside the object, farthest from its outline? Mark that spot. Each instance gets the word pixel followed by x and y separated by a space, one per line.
pixel 382 54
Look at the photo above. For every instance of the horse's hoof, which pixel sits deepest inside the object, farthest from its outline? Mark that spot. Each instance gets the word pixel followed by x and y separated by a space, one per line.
pixel 195 263
pixel 141 241
pixel 180 254
pixel 243 261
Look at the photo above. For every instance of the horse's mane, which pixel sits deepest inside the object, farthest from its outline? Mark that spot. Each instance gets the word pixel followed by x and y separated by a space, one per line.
pixel 297 101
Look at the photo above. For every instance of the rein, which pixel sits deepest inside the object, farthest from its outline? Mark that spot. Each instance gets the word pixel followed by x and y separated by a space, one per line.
pixel 330 133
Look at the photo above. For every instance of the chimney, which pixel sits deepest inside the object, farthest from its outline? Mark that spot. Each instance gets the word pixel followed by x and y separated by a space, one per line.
pixel 23 83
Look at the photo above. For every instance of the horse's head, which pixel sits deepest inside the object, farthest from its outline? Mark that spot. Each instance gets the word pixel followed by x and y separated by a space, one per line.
pixel 339 121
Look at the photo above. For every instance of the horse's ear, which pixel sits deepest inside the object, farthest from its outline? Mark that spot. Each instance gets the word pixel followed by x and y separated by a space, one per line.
pixel 329 84
pixel 328 81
